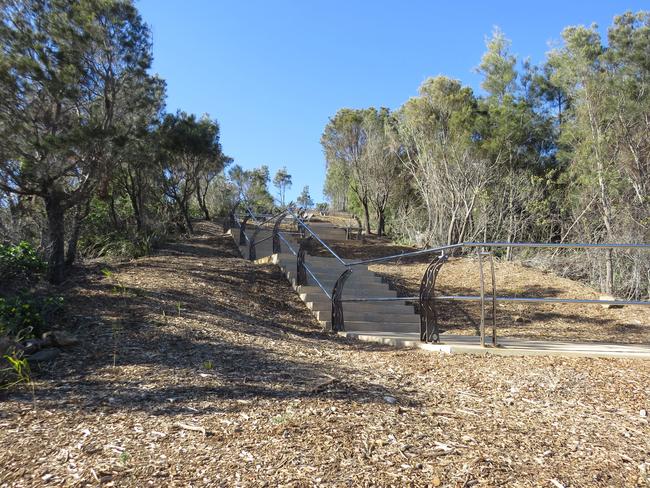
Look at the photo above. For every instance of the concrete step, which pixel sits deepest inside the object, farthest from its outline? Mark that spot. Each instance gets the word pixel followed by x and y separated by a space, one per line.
pixel 363 326
pixel 371 316
pixel 352 292
pixel 352 281
pixel 382 307
pixel 380 317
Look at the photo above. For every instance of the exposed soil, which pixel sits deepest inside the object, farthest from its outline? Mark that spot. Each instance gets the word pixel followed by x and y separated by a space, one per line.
pixel 201 369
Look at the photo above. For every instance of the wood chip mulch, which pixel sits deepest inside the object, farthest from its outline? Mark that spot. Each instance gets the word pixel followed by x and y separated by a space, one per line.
pixel 198 368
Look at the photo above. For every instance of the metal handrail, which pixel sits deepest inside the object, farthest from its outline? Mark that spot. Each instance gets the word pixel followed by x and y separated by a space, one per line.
pixel 239 224
pixel 406 254
pixel 429 329
pixel 561 245
pixel 315 236
pixel 293 251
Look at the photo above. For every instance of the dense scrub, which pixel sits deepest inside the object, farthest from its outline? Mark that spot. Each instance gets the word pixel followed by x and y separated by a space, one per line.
pixel 558 152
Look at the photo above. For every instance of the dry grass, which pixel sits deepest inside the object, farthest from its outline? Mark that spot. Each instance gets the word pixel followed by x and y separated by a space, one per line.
pixel 240 388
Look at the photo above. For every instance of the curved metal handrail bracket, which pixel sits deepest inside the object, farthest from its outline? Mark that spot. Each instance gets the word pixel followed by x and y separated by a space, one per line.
pixel 252 253
pixel 429 328
pixel 277 248
pixel 301 270
pixel 242 231
pixel 338 321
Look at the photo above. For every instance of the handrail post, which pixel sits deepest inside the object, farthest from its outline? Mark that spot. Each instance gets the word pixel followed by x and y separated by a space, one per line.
pixel 277 248
pixel 252 253
pixel 338 321
pixel 480 267
pixel 301 272
pixel 481 254
pixel 429 329
pixel 242 231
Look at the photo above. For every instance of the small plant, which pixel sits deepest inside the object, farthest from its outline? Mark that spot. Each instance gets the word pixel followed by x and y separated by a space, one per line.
pixel 124 457
pixel 26 316
pixel 282 418
pixel 178 308
pixel 19 367
pixel 118 288
pixel 20 260
pixel 208 364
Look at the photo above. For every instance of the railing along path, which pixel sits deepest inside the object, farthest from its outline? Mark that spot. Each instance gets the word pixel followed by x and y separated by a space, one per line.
pixel 427 299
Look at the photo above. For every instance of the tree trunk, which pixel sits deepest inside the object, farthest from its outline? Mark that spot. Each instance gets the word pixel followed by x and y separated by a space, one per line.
pixel 79 216
pixel 113 212
pixel 381 222
pixel 366 215
pixel 200 198
pixel 186 216
pixel 56 239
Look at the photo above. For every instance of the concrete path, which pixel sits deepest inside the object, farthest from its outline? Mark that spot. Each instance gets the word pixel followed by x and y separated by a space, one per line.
pixel 508 346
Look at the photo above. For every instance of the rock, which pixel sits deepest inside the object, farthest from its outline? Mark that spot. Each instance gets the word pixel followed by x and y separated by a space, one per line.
pixel 390 399
pixel 6 346
pixel 64 339
pixel 44 355
pixel 643 412
pixel 519 319
pixel 30 346
pixel 611 299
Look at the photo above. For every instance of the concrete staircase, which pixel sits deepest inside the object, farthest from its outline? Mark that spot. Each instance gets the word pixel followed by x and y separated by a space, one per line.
pixel 394 317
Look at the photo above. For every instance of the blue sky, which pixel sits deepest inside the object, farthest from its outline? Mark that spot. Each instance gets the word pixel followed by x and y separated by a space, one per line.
pixel 273 72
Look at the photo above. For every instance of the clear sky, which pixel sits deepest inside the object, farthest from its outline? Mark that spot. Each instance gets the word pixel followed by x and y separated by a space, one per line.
pixel 272 72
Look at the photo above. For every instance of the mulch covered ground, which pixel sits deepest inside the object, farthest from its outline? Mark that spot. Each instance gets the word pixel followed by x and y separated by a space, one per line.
pixel 201 369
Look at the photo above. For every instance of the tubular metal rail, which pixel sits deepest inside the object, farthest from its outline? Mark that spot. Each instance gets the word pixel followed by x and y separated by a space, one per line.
pixel 427 299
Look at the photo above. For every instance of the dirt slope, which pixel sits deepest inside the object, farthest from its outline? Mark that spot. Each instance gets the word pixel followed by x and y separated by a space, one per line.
pixel 200 369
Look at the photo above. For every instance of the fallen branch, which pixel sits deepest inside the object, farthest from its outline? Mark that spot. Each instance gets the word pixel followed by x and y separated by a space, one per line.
pixel 193 428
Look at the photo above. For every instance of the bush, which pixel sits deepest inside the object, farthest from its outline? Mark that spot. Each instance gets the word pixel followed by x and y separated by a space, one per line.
pixel 121 245
pixel 27 316
pixel 20 261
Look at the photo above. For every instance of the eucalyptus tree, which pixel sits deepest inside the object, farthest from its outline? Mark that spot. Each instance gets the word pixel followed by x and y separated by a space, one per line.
pixel 344 143
pixel 282 181
pixel 304 199
pixel 190 151
pixel 436 131
pixel 251 187
pixel 382 166
pixel 65 67
pixel 604 139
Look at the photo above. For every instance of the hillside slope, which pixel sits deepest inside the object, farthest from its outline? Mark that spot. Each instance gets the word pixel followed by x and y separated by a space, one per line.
pixel 199 368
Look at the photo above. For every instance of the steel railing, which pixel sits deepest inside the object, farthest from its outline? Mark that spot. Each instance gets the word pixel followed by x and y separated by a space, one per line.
pixel 427 299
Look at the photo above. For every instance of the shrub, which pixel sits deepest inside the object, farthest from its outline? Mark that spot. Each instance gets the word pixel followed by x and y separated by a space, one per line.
pixel 20 260
pixel 27 316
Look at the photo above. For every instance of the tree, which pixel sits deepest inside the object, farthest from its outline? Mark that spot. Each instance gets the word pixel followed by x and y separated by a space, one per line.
pixel 436 131
pixel 604 138
pixel 190 156
pixel 304 199
pixel 381 161
pixel 343 142
pixel 512 137
pixel 282 181
pixel 65 68
pixel 252 187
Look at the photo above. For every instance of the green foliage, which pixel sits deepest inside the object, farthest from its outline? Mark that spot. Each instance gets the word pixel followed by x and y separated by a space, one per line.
pixel 26 316
pixel 20 260
pixel 304 199
pixel 17 371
